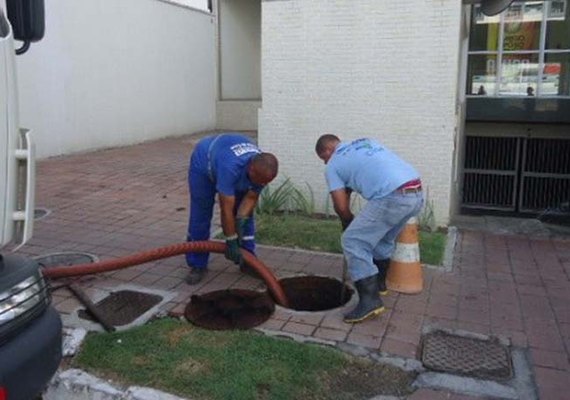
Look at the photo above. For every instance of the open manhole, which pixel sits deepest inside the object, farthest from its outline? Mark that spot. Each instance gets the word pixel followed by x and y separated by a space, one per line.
pixel 40 213
pixel 65 259
pixel 229 309
pixel 476 358
pixel 315 293
pixel 123 307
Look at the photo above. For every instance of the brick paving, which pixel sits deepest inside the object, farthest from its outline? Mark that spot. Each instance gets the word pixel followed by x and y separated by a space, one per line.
pixel 115 202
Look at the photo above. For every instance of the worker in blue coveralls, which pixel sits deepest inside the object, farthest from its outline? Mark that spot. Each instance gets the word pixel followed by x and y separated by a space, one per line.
pixel 393 191
pixel 232 166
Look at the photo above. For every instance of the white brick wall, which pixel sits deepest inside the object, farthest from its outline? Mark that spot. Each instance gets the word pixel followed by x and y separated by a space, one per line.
pixel 238 115
pixel 114 73
pixel 384 69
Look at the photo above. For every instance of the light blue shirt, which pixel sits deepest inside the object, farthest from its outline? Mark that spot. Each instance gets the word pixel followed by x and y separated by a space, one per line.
pixel 367 167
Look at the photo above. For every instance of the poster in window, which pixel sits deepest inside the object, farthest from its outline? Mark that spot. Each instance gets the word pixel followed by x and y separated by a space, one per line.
pixel 557 10
pixel 522 26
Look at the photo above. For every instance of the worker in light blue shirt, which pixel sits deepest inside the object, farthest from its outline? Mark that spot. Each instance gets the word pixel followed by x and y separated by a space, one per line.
pixel 393 191
pixel 232 166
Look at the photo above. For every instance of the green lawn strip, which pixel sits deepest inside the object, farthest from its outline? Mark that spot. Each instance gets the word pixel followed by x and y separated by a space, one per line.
pixel 432 247
pixel 292 230
pixel 179 358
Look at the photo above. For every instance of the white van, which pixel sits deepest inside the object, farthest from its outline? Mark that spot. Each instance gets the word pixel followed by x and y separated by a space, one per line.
pixel 17 169
pixel 30 328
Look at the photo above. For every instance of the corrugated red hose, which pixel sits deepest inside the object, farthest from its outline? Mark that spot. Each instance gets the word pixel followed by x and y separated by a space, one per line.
pixel 168 251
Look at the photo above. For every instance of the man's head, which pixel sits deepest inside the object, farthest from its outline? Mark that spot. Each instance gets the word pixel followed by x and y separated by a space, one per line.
pixel 263 168
pixel 325 146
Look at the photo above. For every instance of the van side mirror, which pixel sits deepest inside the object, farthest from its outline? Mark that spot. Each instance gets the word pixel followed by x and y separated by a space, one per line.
pixel 27 18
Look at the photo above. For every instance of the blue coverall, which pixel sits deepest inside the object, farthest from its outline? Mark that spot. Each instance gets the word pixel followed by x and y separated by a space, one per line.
pixel 218 164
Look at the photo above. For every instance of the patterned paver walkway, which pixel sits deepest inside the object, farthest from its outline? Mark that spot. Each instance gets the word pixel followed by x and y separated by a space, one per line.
pixel 115 202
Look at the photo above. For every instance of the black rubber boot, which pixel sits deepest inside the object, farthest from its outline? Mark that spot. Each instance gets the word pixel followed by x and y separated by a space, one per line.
pixel 382 272
pixel 195 276
pixel 369 303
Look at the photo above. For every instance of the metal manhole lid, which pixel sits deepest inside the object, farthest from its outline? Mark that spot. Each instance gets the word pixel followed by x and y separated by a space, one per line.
pixel 65 259
pixel 123 307
pixel 483 359
pixel 230 309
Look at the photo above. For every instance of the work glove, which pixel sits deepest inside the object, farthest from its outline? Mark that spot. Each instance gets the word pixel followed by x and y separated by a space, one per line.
pixel 233 252
pixel 241 224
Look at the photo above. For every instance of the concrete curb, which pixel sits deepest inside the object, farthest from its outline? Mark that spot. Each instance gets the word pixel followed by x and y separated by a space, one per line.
pixel 296 338
pixel 449 253
pixel 75 384
pixel 524 382
pixel 469 386
pixel 72 340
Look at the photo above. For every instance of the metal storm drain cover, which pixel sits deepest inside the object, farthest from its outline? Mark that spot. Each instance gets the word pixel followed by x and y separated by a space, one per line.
pixel 40 213
pixel 229 309
pixel 65 259
pixel 476 358
pixel 123 307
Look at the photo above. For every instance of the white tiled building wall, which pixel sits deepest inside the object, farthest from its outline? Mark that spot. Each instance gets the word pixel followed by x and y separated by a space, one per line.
pixel 115 73
pixel 384 69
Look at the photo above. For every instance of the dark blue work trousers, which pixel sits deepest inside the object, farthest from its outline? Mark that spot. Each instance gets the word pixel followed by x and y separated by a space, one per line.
pixel 202 198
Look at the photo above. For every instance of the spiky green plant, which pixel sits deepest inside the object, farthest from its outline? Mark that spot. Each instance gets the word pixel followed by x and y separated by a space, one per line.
pixel 426 218
pixel 286 197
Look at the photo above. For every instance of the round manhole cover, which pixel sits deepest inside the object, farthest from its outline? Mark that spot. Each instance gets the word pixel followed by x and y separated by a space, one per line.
pixel 315 293
pixel 229 309
pixel 65 259
pixel 40 213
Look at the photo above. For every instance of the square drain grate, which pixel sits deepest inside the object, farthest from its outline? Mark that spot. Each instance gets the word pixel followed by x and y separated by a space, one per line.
pixel 123 307
pixel 476 358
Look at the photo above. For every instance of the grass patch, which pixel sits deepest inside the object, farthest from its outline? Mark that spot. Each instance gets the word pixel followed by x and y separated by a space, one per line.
pixel 432 247
pixel 295 230
pixel 298 231
pixel 179 358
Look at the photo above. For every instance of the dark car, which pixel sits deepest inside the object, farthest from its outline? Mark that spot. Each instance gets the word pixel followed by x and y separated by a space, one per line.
pixel 30 330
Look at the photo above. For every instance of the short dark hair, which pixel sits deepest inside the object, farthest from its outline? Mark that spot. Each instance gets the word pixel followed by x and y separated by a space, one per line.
pixel 324 141
pixel 266 163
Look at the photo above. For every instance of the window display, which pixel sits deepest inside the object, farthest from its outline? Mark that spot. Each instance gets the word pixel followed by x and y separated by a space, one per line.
pixel 524 51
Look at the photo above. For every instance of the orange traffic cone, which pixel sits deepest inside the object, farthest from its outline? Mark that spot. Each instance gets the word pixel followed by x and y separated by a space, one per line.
pixel 405 272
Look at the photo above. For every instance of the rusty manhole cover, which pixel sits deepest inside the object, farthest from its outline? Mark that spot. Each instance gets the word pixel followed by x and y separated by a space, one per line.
pixel 124 306
pixel 483 359
pixel 315 293
pixel 65 259
pixel 229 309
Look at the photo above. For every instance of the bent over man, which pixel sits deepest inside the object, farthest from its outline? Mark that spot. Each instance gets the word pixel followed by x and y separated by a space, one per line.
pixel 393 190
pixel 234 167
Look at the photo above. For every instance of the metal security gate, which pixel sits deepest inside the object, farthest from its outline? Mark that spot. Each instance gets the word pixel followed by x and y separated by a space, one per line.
pixel 517 174
pixel 545 176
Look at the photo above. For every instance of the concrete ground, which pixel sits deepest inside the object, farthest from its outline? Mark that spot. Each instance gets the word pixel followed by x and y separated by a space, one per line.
pixel 115 202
